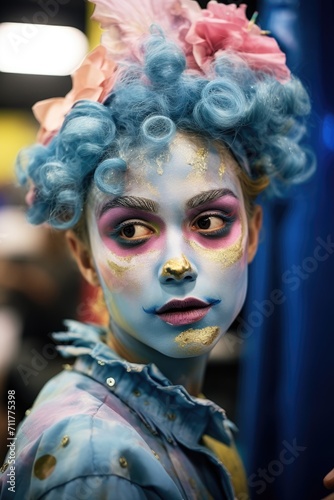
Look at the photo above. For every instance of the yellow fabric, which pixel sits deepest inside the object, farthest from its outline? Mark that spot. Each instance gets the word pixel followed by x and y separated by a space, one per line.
pixel 231 460
pixel 17 130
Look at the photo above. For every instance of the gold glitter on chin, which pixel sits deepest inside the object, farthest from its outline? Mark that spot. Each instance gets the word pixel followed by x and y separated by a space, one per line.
pixel 194 339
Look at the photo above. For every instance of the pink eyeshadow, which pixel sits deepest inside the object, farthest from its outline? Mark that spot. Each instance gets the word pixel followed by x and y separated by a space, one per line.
pixel 117 215
pixel 229 205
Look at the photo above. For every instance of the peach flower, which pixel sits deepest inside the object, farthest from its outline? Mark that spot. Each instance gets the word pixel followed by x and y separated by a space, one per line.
pixel 93 80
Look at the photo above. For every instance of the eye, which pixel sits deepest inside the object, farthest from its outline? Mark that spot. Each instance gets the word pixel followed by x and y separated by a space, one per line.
pixel 131 232
pixel 212 224
pixel 209 223
pixel 135 231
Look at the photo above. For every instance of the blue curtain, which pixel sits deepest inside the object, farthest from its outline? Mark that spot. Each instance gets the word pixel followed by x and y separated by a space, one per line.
pixel 286 410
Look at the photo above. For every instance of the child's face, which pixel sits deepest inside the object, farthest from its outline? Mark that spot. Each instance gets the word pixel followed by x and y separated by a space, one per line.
pixel 171 253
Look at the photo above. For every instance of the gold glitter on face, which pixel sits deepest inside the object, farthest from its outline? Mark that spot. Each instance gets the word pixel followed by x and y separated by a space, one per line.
pixel 131 263
pixel 194 151
pixel 194 339
pixel 140 158
pixel 161 160
pixel 226 256
pixel 118 270
pixel 198 160
pixel 221 169
pixel 130 275
pixel 176 267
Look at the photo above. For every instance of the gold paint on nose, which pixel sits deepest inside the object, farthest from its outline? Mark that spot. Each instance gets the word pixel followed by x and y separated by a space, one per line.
pixel 176 267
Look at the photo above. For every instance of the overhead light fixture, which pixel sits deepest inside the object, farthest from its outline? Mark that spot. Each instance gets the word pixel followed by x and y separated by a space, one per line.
pixel 40 49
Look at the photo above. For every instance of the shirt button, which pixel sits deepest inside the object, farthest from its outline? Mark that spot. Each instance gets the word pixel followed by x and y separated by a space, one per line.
pixel 111 381
pixel 102 363
pixel 155 454
pixel 65 441
pixel 4 467
pixel 123 462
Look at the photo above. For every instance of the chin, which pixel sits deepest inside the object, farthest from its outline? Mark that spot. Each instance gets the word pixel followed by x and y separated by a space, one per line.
pixel 195 340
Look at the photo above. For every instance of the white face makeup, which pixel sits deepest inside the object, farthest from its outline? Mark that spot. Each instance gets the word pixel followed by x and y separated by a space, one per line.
pixel 171 252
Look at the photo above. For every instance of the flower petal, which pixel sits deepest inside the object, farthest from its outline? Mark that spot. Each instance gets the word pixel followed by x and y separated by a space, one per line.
pixel 226 28
pixel 93 80
pixel 127 23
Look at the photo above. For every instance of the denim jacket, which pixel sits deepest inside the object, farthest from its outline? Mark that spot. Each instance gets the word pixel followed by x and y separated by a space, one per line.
pixel 108 429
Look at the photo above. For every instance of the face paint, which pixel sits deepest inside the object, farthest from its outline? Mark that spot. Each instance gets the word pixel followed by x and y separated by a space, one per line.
pixel 193 340
pixel 176 267
pixel 171 252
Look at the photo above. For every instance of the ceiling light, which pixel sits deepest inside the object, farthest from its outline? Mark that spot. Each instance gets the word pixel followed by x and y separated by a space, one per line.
pixel 40 49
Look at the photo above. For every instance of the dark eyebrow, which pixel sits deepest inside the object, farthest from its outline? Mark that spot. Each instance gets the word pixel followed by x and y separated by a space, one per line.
pixel 130 202
pixel 207 196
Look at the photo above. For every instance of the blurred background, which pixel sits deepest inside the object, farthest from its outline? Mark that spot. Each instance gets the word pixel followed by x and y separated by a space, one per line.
pixel 273 372
pixel 39 283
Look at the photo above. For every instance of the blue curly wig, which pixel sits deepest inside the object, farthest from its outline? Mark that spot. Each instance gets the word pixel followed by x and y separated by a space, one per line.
pixel 258 118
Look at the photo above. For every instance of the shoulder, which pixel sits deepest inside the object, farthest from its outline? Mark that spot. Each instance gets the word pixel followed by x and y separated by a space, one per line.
pixel 77 451
pixel 89 446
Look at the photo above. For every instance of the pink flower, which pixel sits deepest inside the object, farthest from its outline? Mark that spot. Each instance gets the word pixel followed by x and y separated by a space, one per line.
pixel 128 22
pixel 226 28
pixel 203 35
pixel 93 80
pixel 31 195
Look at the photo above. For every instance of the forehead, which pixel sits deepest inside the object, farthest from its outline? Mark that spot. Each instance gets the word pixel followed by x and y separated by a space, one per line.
pixel 186 167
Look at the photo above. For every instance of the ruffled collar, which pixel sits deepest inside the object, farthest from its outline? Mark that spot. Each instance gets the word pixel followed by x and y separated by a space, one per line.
pixel 170 407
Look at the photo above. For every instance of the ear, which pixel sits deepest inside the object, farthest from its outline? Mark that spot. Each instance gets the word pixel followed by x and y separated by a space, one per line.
pixel 254 228
pixel 83 256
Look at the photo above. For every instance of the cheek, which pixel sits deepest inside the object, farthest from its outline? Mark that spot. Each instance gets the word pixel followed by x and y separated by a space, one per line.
pixel 234 235
pixel 222 254
pixel 115 274
pixel 128 274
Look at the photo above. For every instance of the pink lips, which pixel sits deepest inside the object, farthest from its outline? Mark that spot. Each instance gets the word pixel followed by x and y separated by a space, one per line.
pixel 183 312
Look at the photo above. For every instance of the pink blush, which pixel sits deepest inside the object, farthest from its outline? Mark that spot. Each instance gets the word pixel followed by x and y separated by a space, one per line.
pixel 218 242
pixel 116 216
pixel 228 205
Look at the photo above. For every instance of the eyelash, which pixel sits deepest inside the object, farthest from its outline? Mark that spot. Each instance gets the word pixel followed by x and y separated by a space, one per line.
pixel 228 220
pixel 116 232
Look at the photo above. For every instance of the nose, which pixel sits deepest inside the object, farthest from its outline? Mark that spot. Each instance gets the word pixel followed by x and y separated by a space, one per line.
pixel 177 270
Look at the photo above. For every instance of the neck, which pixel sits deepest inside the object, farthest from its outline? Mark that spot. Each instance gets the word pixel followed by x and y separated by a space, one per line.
pixel 188 372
